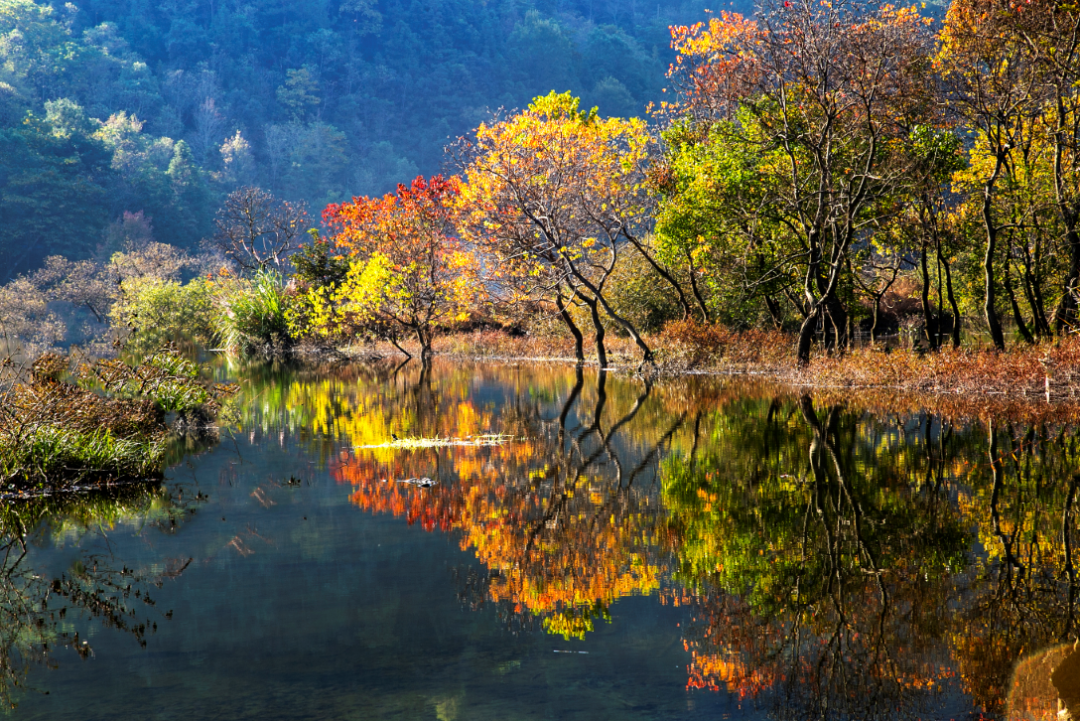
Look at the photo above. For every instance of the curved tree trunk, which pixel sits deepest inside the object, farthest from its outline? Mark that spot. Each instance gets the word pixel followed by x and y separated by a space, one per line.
pixel 394 341
pixel 579 339
pixel 598 331
pixel 806 337
pixel 694 288
pixel 990 296
pixel 646 353
pixel 683 303
pixel 598 296
pixel 425 338
pixel 952 299
pixel 877 318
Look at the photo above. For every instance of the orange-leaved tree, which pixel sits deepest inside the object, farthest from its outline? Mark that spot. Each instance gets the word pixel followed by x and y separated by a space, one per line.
pixel 556 194
pixel 409 273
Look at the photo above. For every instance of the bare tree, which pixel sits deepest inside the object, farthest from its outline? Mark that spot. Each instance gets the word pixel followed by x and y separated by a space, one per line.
pixel 257 231
pixel 209 129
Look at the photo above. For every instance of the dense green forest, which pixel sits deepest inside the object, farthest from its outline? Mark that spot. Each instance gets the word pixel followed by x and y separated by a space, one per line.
pixel 113 106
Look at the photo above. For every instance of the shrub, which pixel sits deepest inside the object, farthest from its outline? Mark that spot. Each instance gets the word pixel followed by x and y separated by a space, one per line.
pixel 689 344
pixel 157 311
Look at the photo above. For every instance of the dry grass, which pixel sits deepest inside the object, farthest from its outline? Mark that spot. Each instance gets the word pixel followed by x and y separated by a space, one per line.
pixel 102 422
pixel 491 439
pixel 964 383
pixel 1021 372
pixel 688 345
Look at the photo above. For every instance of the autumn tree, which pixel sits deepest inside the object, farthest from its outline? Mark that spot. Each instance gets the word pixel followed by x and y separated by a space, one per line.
pixel 924 228
pixel 993 87
pixel 556 194
pixel 1050 32
pixel 812 90
pixel 409 272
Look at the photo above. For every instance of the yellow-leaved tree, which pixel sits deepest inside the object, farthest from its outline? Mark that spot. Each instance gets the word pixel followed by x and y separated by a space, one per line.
pixel 555 194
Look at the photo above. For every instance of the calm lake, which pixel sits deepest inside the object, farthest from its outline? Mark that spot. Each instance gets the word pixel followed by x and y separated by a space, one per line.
pixel 588 547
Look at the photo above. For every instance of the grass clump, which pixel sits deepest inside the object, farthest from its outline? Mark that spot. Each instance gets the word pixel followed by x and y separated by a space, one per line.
pixel 47 452
pixel 100 423
pixel 251 317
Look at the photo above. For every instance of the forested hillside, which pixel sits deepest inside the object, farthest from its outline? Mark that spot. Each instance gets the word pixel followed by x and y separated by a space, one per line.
pixel 113 106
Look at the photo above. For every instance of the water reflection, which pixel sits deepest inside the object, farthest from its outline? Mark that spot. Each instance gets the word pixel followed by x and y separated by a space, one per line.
pixel 819 554
pixel 39 605
pixel 563 525
pixel 825 561
pixel 835 563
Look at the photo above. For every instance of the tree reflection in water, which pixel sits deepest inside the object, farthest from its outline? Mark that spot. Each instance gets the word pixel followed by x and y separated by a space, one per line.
pixel 562 523
pixel 817 561
pixel 835 563
pixel 38 608
pixel 859 568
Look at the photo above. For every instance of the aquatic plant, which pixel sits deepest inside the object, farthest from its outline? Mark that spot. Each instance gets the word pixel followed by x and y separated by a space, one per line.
pixel 490 439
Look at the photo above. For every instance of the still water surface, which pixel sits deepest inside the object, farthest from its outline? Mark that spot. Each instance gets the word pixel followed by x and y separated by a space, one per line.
pixel 693 548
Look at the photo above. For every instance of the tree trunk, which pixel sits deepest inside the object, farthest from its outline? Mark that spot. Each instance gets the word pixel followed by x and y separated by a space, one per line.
pixel 990 297
pixel 838 316
pixel 952 299
pixel 694 288
pixel 1018 317
pixel 579 339
pixel 599 332
pixel 930 324
pixel 877 316
pixel 393 340
pixel 1039 325
pixel 795 302
pixel 425 337
pixel 683 303
pixel 1040 309
pixel 646 353
pixel 806 338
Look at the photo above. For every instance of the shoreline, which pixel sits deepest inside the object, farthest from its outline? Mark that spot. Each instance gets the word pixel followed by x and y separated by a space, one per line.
pixel 1035 384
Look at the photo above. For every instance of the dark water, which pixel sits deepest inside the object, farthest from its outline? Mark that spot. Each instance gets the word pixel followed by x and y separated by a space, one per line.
pixel 695 548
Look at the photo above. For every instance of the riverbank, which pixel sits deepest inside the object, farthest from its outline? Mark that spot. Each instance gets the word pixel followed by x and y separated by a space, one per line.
pixel 1033 383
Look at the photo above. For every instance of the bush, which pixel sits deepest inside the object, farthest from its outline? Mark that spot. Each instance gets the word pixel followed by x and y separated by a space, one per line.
pixel 637 293
pixel 157 311
pixel 108 424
